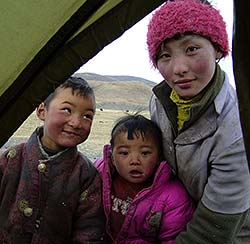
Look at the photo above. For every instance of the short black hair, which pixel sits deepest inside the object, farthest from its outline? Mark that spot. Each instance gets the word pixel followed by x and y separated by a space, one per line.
pixel 138 125
pixel 77 84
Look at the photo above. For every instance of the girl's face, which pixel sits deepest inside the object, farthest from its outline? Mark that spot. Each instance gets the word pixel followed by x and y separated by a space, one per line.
pixel 188 64
pixel 67 120
pixel 135 160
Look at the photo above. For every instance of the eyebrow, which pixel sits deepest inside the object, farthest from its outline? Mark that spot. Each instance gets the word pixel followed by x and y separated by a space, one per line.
pixel 183 39
pixel 69 103
pixel 92 110
pixel 73 105
pixel 188 38
pixel 127 146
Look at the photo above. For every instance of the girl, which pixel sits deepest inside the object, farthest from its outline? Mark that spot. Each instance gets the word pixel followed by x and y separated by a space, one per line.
pixel 143 201
pixel 196 109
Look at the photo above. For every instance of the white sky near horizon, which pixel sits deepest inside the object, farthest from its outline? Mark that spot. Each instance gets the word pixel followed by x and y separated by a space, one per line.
pixel 128 54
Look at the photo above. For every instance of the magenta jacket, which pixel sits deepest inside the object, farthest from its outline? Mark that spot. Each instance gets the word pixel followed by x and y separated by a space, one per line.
pixel 157 214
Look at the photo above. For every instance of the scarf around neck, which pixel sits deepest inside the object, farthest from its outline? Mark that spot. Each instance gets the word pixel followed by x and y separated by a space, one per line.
pixel 190 110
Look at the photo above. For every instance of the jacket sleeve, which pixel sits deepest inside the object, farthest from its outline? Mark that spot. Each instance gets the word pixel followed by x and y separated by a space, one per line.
pixel 7 155
pixel 227 191
pixel 89 226
pixel 176 215
pixel 210 227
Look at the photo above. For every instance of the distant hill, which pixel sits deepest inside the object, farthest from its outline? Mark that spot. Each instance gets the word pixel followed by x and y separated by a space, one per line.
pixel 114 96
pixel 120 92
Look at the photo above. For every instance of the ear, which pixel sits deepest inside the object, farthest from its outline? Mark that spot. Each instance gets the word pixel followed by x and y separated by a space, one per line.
pixel 40 111
pixel 218 55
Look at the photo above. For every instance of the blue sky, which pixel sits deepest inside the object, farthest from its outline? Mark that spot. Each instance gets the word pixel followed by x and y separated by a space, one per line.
pixel 128 54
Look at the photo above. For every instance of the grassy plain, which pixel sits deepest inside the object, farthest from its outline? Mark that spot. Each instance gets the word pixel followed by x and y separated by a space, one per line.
pixel 100 133
pixel 113 98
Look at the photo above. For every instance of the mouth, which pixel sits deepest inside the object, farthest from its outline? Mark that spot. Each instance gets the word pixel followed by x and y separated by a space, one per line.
pixel 135 173
pixel 72 133
pixel 183 84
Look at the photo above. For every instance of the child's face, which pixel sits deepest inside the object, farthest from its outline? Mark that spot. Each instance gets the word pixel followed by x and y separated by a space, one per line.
pixel 188 64
pixel 67 120
pixel 135 160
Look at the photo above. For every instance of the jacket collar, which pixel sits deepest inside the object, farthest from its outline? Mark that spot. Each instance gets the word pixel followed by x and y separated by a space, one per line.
pixel 34 152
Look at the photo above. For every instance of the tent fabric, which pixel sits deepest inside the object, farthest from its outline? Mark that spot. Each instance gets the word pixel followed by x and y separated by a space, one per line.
pixel 78 34
pixel 32 43
pixel 241 64
pixel 27 28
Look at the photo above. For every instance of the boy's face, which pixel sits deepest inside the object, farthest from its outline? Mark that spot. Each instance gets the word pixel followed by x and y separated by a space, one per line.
pixel 188 64
pixel 135 160
pixel 67 120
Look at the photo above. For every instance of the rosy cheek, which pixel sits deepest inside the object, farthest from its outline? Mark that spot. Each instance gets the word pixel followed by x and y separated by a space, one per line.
pixel 55 121
pixel 205 64
pixel 201 66
pixel 87 127
pixel 164 71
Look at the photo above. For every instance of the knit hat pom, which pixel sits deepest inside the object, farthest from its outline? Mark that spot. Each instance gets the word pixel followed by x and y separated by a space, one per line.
pixel 181 16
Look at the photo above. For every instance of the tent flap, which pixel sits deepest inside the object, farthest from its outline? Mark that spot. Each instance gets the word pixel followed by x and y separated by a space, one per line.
pixel 241 64
pixel 43 53
pixel 93 25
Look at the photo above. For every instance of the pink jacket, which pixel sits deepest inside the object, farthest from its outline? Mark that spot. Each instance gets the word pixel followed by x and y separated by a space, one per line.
pixel 157 214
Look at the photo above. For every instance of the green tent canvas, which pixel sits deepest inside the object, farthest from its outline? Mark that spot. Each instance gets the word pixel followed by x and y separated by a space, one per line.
pixel 44 42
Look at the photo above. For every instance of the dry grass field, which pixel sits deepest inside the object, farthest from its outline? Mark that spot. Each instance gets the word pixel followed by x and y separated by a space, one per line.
pixel 113 98
pixel 100 133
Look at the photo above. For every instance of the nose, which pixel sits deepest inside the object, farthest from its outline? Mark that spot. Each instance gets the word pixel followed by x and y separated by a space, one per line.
pixel 180 65
pixel 75 121
pixel 135 160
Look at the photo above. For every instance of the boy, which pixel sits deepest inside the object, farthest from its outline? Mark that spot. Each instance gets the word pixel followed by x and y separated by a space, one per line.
pixel 50 192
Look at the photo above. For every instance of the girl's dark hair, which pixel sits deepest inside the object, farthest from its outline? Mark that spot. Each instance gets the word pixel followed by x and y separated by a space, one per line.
pixel 137 125
pixel 77 84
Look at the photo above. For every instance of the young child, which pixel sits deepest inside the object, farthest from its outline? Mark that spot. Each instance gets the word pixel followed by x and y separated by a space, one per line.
pixel 143 201
pixel 50 192
pixel 197 111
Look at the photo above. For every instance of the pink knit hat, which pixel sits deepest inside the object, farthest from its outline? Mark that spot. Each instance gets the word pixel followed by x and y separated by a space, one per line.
pixel 182 16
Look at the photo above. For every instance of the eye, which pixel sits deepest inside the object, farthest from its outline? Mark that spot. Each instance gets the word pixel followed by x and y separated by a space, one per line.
pixel 123 153
pixel 88 116
pixel 67 110
pixel 164 56
pixel 191 49
pixel 146 152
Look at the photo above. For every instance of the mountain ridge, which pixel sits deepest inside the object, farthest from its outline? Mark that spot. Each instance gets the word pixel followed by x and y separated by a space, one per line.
pixel 93 76
pixel 120 92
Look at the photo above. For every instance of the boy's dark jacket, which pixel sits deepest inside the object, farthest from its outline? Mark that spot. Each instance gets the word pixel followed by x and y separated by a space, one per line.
pixel 58 201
